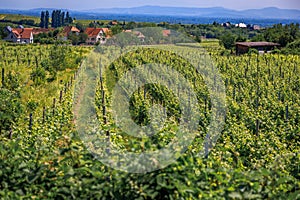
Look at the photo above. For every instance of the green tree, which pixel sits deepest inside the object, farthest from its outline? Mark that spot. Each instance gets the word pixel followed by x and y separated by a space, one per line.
pixel 62 18
pixel 42 21
pixel 92 25
pixel 47 19
pixel 240 38
pixel 54 19
pixel 228 40
pixel 116 29
pixel 80 26
pixel 58 18
pixel 83 37
pixel 68 19
pixel 198 39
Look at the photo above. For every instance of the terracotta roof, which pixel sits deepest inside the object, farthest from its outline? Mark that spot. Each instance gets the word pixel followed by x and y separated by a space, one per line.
pixel 166 32
pixel 36 31
pixel 92 32
pixel 68 29
pixel 139 34
pixel 22 33
pixel 107 32
pixel 136 33
pixel 257 44
pixel 113 22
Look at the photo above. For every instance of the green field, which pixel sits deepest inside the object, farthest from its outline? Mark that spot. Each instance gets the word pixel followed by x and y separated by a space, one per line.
pixel 256 156
pixel 14 17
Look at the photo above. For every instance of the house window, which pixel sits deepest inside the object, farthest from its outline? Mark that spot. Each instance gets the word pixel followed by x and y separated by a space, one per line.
pixel 11 37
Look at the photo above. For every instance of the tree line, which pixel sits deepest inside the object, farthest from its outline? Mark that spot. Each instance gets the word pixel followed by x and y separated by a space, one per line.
pixel 58 19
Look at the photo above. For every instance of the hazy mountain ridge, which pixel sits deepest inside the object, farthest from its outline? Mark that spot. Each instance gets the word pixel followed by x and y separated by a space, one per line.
pixel 264 13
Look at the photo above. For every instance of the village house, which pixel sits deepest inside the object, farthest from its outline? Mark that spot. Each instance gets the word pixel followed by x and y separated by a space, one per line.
pixel 107 32
pixel 19 35
pixel 241 25
pixel 67 31
pixel 138 34
pixel 255 27
pixel 113 23
pixel 243 47
pixel 95 35
pixel 24 35
pixel 226 25
pixel 166 33
pixel 37 31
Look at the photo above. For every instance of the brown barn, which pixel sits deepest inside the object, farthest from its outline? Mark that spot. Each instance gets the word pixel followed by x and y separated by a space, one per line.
pixel 243 47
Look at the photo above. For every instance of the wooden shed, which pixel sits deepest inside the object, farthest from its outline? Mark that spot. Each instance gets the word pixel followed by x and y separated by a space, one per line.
pixel 243 47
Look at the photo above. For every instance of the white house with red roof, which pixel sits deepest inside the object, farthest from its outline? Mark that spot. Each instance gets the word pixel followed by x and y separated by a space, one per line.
pixel 95 35
pixel 20 35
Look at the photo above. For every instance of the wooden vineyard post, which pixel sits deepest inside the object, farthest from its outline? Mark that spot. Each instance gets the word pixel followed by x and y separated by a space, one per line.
pixel 10 133
pixel 103 103
pixel 30 121
pixel 257 97
pixel 54 102
pixel 257 126
pixel 287 113
pixel 44 114
pixel 36 62
pixel 65 88
pixel 103 107
pixel 145 92
pixel 233 93
pixel 3 77
pixel 60 96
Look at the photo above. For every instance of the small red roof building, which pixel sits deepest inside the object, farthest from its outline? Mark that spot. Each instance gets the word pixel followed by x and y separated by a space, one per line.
pixel 70 29
pixel 166 33
pixel 20 35
pixel 37 31
pixel 95 35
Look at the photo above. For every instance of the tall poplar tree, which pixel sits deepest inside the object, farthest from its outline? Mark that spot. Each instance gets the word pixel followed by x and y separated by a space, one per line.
pixel 47 19
pixel 42 23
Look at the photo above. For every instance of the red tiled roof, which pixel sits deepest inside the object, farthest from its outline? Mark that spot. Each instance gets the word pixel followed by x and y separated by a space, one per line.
pixel 68 29
pixel 23 33
pixel 36 31
pixel 107 32
pixel 114 22
pixel 257 44
pixel 166 32
pixel 92 32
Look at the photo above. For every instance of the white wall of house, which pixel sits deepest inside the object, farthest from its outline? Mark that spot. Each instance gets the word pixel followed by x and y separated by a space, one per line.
pixel 12 38
pixel 99 38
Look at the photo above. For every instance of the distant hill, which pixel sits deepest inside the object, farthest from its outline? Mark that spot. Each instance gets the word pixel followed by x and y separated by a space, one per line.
pixel 213 12
pixel 264 13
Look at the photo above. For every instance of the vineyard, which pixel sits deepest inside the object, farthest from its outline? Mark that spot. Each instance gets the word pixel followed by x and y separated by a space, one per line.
pixel 43 154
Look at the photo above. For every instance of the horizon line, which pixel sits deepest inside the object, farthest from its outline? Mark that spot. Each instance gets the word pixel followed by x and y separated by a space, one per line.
pixel 34 8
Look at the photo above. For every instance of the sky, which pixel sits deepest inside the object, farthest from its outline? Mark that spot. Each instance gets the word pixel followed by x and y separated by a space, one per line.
pixel 93 4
